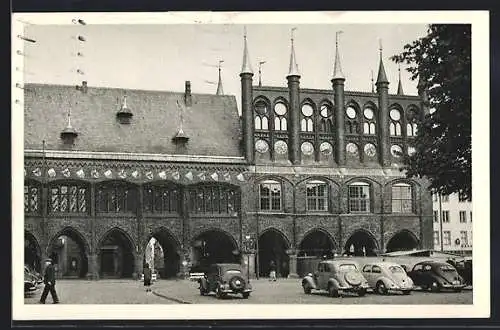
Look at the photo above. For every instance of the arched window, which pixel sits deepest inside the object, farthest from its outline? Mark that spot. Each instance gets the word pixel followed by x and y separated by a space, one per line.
pixel 402 198
pixel 317 196
pixel 68 198
pixel 213 199
pixel 116 197
pixel 369 125
pixel 280 111
pixel 261 117
pixel 326 118
pixel 270 195
pixel 351 120
pixel 395 122
pixel 32 195
pixel 307 115
pixel 359 197
pixel 161 199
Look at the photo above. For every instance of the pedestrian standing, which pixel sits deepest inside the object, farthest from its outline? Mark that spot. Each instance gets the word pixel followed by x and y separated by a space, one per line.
pixel 272 271
pixel 147 277
pixel 49 279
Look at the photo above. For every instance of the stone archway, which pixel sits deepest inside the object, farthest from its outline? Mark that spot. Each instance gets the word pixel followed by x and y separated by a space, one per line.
pixel 68 250
pixel 116 255
pixel 404 240
pixel 361 243
pixel 213 246
pixel 317 243
pixel 273 246
pixel 162 253
pixel 32 252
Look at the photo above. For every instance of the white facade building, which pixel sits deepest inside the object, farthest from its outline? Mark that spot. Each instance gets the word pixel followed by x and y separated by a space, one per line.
pixel 452 224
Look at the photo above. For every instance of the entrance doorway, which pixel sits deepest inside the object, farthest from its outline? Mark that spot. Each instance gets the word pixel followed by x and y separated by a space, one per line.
pixel 404 240
pixel 116 255
pixel 214 246
pixel 68 253
pixel 272 247
pixel 162 254
pixel 32 252
pixel 361 243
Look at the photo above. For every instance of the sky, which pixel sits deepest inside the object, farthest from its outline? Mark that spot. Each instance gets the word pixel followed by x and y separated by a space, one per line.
pixel 164 56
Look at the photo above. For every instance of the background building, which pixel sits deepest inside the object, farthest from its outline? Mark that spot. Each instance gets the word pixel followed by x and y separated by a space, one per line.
pixel 302 174
pixel 452 224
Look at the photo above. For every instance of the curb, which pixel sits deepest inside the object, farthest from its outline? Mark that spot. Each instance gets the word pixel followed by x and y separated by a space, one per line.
pixel 170 298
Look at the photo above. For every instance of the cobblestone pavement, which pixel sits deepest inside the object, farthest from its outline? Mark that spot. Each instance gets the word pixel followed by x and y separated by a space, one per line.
pixel 99 292
pixel 284 291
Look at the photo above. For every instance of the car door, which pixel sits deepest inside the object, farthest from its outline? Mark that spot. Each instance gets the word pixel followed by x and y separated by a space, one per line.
pixel 323 275
pixel 376 273
pixel 416 274
pixel 367 273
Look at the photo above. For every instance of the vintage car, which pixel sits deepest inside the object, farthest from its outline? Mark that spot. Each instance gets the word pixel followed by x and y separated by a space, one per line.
pixel 36 275
pixel 436 275
pixel 30 282
pixel 336 277
pixel 384 277
pixel 224 279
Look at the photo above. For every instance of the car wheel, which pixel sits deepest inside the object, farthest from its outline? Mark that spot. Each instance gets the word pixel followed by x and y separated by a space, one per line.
pixel 361 292
pixel 407 292
pixel 435 287
pixel 307 288
pixel 332 291
pixel 218 293
pixel 246 295
pixel 381 289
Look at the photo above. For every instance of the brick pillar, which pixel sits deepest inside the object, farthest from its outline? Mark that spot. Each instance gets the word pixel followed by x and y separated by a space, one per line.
pixel 338 89
pixel 93 271
pixel 247 116
pixel 93 266
pixel 138 253
pixel 292 255
pixel 294 119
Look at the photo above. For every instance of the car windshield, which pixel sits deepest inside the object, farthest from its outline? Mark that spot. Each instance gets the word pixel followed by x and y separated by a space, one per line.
pixel 446 268
pixel 347 267
pixel 396 269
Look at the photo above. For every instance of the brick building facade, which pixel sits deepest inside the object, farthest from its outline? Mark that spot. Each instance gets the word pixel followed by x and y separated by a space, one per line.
pixel 303 173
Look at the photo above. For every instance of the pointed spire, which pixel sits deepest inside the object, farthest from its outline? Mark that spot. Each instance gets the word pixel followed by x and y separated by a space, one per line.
pixel 124 102
pixel 337 69
pixel 246 67
pixel 180 137
pixel 220 90
pixel 382 77
pixel 69 132
pixel 400 85
pixel 373 86
pixel 69 127
pixel 294 68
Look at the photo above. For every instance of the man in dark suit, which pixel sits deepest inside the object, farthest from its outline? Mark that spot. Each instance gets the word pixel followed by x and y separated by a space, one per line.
pixel 49 279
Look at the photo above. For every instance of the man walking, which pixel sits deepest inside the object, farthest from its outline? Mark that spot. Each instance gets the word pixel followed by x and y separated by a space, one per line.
pixel 272 271
pixel 49 279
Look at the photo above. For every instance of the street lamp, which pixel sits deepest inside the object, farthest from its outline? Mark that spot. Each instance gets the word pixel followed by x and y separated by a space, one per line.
pixel 248 248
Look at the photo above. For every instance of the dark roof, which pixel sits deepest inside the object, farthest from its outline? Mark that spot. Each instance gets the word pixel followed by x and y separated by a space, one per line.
pixel 212 123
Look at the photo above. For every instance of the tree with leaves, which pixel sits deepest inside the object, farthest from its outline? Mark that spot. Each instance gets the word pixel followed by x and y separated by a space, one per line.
pixel 441 61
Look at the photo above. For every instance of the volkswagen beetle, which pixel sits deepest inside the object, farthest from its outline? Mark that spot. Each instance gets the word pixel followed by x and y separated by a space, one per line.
pixel 385 277
pixel 336 277
pixel 224 279
pixel 436 275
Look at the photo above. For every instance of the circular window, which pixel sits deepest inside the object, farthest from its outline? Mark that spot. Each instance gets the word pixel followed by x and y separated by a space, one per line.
pixel 261 107
pixel 351 148
pixel 370 150
pixel 261 146
pixel 326 148
pixel 325 111
pixel 307 110
pixel 280 109
pixel 411 151
pixel 396 151
pixel 395 114
pixel 351 112
pixel 280 147
pixel 307 148
pixel 368 113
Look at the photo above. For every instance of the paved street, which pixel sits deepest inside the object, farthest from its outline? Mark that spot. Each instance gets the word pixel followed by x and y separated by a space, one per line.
pixel 284 291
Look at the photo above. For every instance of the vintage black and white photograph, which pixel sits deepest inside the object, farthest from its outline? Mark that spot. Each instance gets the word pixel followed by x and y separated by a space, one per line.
pixel 214 164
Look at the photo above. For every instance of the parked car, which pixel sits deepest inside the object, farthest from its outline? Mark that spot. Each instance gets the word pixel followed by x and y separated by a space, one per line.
pixel 36 275
pixel 436 275
pixel 464 269
pixel 30 283
pixel 336 277
pixel 384 277
pixel 224 279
